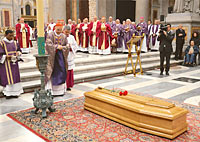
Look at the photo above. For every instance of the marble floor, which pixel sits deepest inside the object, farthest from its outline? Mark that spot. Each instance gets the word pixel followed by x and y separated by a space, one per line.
pixel 182 85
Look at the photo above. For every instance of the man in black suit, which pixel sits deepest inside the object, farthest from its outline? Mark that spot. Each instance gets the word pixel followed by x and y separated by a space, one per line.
pixel 180 40
pixel 165 38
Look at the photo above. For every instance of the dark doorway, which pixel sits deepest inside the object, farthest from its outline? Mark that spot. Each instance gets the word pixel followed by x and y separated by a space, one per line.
pixel 30 23
pixel 83 9
pixel 125 9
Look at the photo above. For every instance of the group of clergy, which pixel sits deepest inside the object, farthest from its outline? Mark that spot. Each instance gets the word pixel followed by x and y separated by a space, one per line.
pixel 101 37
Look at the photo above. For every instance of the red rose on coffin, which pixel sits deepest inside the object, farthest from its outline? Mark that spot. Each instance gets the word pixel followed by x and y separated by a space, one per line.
pixel 120 93
pixel 125 93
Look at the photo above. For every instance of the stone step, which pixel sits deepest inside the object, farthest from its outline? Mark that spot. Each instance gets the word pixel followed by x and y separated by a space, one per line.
pixel 32 85
pixel 117 71
pixel 95 59
pixel 114 57
pixel 29 72
pixel 110 65
pixel 35 74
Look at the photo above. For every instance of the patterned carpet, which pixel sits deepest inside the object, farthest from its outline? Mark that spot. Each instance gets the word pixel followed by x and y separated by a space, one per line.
pixel 71 123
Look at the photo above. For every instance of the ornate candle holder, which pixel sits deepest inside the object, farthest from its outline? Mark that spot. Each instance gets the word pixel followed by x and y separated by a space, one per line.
pixel 42 98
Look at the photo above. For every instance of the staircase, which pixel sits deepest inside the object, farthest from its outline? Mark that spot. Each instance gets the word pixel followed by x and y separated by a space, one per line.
pixel 92 67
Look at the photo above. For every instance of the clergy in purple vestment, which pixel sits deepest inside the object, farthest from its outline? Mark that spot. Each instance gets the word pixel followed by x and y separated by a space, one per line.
pixel 10 53
pixel 148 34
pixel 56 73
pixel 154 43
pixel 128 31
pixel 111 22
pixel 143 29
pixel 118 35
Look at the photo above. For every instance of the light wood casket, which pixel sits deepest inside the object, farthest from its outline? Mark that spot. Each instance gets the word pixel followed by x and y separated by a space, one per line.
pixel 145 114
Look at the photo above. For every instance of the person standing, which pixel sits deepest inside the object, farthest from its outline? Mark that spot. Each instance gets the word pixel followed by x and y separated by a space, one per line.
pixel 9 56
pixel 75 31
pixel 84 35
pixel 104 35
pixel 154 43
pixel 93 36
pixel 128 31
pixel 72 53
pixel 165 38
pixel 196 39
pixel 111 22
pixel 69 23
pixel 148 34
pixel 56 70
pixel 23 34
pixel 51 25
pixel 180 40
pixel 117 33
pixel 143 29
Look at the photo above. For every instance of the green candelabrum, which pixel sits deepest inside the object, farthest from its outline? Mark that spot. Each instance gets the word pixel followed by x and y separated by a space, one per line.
pixel 42 98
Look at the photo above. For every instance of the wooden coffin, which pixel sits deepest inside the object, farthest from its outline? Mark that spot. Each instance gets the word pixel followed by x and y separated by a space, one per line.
pixel 145 114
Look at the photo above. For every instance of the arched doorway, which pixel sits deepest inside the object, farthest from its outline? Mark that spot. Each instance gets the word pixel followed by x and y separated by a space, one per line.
pixel 125 9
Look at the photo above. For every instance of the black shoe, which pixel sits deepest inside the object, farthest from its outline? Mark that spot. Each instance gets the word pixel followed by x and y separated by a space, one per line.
pixel 167 73
pixel 161 73
pixel 69 89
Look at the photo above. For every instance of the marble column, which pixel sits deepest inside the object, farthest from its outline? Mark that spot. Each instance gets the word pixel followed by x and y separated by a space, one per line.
pixel 107 8
pixel 74 10
pixel 142 9
pixel 57 9
pixel 164 4
pixel 46 11
pixel 92 8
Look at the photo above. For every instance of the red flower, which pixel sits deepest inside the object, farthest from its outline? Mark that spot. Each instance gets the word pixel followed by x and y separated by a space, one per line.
pixel 120 93
pixel 125 93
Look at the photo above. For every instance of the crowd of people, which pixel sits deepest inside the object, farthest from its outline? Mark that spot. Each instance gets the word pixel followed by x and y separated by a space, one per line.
pixel 101 37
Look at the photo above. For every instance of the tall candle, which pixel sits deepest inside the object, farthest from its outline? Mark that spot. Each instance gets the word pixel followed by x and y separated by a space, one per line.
pixel 40 27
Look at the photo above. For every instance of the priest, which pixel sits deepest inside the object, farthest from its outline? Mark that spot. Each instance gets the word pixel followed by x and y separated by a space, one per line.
pixel 75 31
pixel 128 31
pixel 72 53
pixel 143 30
pixel 50 26
pixel 104 35
pixel 84 35
pixel 23 34
pixel 111 22
pixel 9 56
pixel 118 35
pixel 154 43
pixel 92 34
pixel 56 72
pixel 148 34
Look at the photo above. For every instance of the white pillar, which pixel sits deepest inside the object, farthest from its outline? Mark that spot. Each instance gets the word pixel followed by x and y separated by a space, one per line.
pixel 142 9
pixel 57 9
pixel 92 8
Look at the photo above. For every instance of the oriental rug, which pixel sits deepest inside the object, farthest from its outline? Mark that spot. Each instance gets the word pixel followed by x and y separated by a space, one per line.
pixel 71 123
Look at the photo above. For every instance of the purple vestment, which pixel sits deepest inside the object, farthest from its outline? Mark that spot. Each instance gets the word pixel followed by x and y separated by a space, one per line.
pixel 143 30
pixel 155 29
pixel 9 72
pixel 148 34
pixel 57 62
pixel 127 34
pixel 112 24
pixel 117 28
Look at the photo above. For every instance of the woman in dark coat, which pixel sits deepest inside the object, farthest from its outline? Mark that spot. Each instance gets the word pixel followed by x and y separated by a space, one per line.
pixel 195 38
